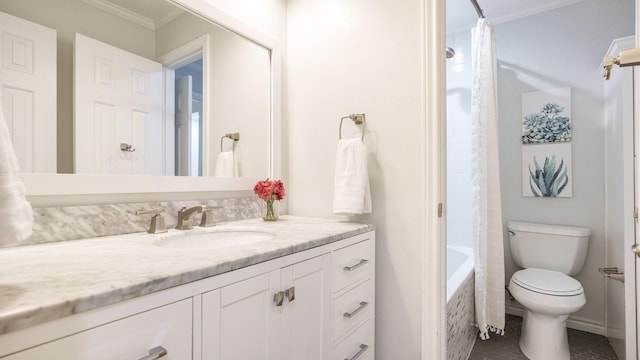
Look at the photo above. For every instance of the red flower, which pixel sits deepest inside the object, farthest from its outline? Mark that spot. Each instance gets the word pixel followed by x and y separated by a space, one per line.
pixel 269 189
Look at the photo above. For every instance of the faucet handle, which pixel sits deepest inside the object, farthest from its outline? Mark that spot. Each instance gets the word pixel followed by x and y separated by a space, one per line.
pixel 207 219
pixel 157 224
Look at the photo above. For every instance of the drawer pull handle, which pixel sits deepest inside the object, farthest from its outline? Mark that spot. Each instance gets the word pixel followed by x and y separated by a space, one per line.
pixel 363 348
pixel 353 267
pixel 278 298
pixel 155 353
pixel 290 293
pixel 349 315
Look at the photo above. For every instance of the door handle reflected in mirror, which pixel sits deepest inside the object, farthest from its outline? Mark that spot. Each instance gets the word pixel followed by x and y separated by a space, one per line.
pixel 636 249
pixel 127 147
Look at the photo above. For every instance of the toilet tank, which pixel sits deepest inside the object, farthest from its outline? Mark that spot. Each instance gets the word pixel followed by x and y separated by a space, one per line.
pixel 550 247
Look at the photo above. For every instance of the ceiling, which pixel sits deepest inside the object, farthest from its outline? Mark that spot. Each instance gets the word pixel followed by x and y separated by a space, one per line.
pixel 461 15
pixel 149 13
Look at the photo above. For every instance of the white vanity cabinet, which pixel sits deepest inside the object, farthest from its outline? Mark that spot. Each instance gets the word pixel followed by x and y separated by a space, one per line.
pixel 277 315
pixel 167 329
pixel 316 304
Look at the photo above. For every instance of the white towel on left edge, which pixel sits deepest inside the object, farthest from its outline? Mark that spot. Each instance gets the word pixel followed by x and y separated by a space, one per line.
pixel 15 210
pixel 351 193
pixel 226 165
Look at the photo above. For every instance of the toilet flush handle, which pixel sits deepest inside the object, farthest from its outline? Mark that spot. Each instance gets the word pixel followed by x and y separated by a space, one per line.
pixel 636 249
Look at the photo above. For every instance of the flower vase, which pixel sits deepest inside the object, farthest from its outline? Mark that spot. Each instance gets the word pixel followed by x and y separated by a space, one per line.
pixel 271 209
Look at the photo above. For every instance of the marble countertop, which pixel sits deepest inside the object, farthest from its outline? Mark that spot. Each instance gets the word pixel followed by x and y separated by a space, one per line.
pixel 40 283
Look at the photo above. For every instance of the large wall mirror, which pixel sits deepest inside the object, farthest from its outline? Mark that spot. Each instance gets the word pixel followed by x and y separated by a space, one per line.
pixel 134 87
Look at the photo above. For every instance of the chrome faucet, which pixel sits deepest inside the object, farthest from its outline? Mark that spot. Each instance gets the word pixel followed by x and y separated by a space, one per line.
pixel 184 216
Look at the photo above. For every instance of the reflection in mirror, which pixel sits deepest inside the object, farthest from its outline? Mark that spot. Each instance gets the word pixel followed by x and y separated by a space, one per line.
pixel 140 87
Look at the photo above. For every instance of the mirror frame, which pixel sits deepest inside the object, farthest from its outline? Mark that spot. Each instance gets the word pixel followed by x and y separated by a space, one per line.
pixel 63 186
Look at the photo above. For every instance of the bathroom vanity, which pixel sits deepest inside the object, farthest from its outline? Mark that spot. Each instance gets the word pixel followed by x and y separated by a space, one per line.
pixel 305 293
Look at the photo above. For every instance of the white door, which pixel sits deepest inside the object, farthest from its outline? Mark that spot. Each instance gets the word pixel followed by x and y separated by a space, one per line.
pixel 307 307
pixel 118 120
pixel 183 111
pixel 28 83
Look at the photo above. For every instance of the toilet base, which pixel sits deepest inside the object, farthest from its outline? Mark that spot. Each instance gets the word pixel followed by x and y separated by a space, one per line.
pixel 544 337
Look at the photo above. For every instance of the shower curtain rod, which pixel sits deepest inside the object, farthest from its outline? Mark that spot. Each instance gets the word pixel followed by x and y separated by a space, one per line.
pixel 478 9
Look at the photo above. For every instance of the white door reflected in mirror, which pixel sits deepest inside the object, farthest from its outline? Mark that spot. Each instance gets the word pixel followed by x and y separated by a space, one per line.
pixel 235 97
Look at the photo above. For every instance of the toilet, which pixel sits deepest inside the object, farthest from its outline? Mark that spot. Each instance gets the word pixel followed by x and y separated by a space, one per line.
pixel 549 256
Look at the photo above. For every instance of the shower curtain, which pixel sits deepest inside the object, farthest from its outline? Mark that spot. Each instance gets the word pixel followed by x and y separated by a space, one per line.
pixel 485 172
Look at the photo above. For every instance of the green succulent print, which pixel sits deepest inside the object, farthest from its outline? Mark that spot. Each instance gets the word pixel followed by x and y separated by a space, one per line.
pixel 548 181
pixel 547 126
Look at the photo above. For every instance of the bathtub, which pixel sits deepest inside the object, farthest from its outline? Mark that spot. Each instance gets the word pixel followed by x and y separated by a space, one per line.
pixel 459 267
pixel 461 330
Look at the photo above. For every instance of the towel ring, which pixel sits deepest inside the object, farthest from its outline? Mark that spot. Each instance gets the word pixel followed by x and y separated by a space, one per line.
pixel 357 119
pixel 233 136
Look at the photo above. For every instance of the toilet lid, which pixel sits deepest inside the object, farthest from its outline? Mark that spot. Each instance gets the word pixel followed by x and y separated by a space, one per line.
pixel 547 282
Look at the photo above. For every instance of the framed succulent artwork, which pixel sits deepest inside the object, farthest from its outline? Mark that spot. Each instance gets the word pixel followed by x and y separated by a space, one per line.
pixel 546 116
pixel 547 170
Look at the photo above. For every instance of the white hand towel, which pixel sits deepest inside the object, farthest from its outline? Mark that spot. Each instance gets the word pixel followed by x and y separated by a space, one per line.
pixel 15 211
pixel 351 193
pixel 226 165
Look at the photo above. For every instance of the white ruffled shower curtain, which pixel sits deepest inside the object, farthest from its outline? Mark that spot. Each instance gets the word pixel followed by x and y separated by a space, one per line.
pixel 485 173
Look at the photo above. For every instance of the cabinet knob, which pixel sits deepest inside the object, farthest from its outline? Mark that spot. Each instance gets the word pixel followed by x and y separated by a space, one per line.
pixel 291 293
pixel 155 353
pixel 278 298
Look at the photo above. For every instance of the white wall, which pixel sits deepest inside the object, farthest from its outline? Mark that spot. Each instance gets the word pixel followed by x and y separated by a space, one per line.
pixel 459 141
pixel 560 48
pixel 240 95
pixel 364 56
pixel 267 16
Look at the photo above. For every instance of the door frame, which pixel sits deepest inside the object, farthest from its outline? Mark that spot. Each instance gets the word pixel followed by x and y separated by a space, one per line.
pixel 632 346
pixel 433 338
pixel 185 54
pixel 433 326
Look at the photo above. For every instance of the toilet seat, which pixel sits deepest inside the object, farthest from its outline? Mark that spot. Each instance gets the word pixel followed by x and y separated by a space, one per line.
pixel 547 282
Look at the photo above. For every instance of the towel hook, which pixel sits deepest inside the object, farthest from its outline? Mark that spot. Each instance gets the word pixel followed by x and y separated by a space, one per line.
pixel 357 119
pixel 233 136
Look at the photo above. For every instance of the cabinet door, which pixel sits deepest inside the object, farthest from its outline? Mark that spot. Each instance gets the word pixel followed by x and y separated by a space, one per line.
pixel 241 321
pixel 306 331
pixel 133 337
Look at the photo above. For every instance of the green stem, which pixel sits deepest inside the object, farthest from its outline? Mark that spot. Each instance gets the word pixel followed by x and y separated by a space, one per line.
pixel 270 214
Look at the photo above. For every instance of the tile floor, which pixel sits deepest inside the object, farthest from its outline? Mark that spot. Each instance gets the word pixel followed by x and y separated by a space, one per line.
pixel 582 345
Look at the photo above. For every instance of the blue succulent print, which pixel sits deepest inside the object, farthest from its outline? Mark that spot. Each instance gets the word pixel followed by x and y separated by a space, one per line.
pixel 547 181
pixel 547 126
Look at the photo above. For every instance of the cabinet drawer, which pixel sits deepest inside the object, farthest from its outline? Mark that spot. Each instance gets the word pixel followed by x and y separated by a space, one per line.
pixel 352 308
pixel 351 264
pixel 132 338
pixel 358 345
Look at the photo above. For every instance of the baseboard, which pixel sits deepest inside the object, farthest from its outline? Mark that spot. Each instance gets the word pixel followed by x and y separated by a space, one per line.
pixel 572 322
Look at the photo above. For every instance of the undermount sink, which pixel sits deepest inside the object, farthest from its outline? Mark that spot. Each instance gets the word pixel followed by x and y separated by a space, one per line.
pixel 214 240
